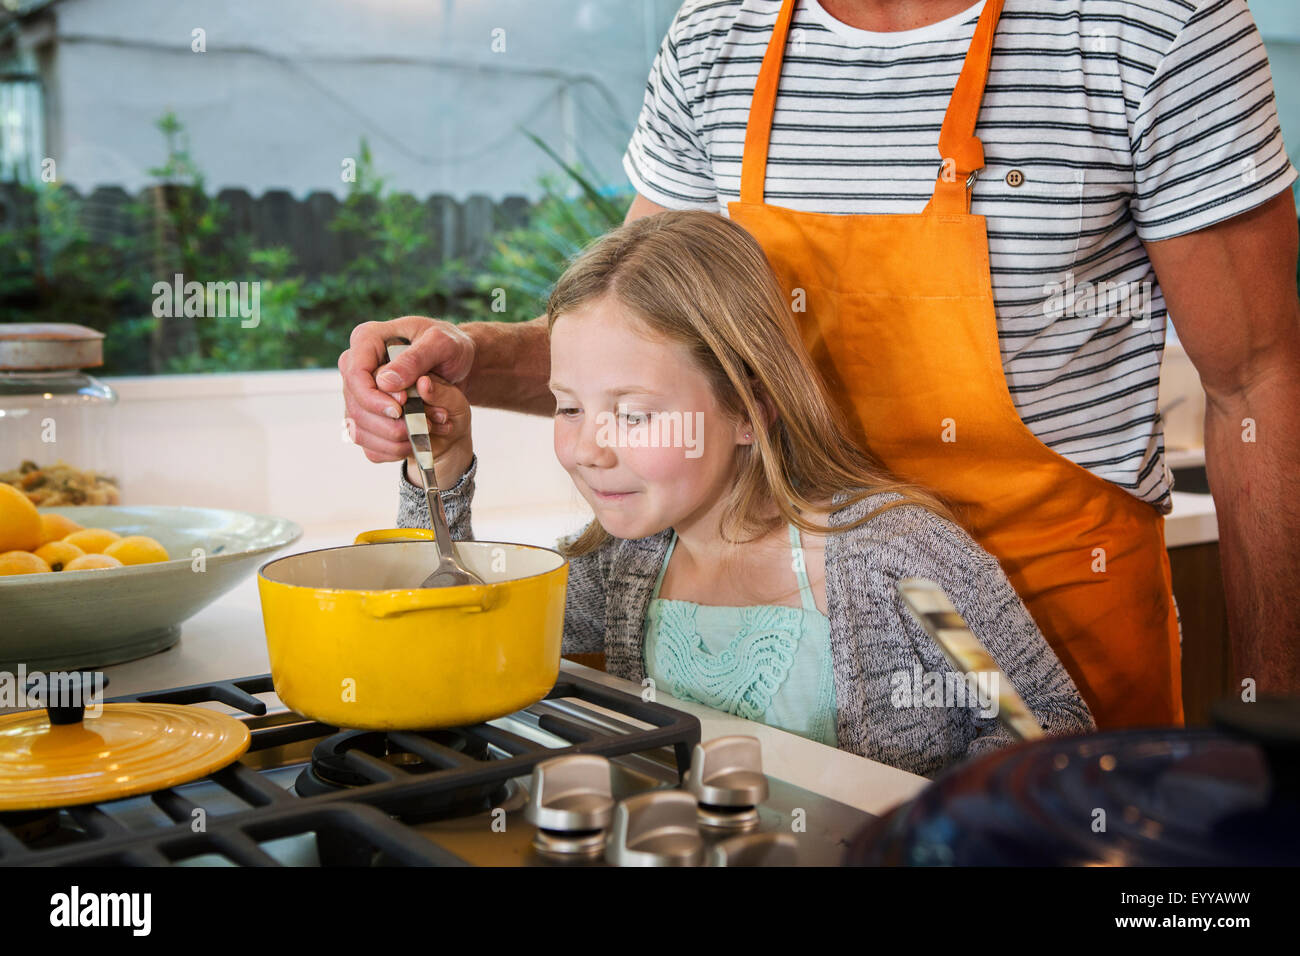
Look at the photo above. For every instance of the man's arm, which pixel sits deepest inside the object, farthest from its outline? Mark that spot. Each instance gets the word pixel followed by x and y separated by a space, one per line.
pixel 512 361
pixel 1231 293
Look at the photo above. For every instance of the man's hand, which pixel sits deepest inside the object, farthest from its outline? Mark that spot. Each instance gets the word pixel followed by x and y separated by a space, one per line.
pixel 375 410
pixel 1231 293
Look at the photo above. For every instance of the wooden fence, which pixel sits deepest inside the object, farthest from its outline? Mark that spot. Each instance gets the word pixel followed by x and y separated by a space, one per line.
pixel 460 229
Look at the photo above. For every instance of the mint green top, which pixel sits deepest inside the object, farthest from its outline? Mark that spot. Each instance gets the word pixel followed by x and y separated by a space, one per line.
pixel 765 662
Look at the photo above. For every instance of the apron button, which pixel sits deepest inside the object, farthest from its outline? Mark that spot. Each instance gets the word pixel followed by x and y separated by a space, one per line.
pixel 1015 177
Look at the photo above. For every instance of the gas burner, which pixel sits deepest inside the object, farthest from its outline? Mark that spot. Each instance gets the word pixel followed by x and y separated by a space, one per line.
pixel 358 758
pixel 337 763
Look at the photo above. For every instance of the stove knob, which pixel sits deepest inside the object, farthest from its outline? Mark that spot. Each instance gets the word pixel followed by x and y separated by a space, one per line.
pixel 755 849
pixel 571 794
pixel 656 828
pixel 727 779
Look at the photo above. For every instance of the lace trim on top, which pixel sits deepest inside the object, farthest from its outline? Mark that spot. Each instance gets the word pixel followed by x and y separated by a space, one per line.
pixel 743 678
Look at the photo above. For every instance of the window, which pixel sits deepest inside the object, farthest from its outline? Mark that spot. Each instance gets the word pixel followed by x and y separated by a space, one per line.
pixel 237 186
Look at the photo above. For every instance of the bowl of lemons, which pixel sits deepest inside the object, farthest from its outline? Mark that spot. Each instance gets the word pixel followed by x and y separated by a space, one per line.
pixel 86 586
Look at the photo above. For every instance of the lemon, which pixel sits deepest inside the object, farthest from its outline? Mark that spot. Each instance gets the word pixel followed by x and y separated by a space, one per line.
pixel 58 553
pixel 137 549
pixel 88 562
pixel 20 522
pixel 21 562
pixel 56 527
pixel 92 540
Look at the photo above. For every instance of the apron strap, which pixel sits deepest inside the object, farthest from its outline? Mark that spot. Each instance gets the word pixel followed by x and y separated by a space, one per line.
pixel 758 129
pixel 957 140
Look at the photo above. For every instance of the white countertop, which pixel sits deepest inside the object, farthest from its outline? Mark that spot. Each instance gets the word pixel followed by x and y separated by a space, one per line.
pixel 227 640
pixel 1193 521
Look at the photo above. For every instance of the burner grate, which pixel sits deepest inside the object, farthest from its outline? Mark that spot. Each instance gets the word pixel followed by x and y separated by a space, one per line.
pixel 365 830
pixel 243 808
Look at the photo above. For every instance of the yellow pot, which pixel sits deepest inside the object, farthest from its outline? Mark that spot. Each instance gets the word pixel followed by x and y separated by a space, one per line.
pixel 355 642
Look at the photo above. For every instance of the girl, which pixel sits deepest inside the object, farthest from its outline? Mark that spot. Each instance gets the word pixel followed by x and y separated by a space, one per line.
pixel 745 551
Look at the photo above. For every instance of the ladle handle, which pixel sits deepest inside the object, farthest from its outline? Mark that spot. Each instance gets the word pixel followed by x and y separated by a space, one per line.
pixel 926 602
pixel 417 427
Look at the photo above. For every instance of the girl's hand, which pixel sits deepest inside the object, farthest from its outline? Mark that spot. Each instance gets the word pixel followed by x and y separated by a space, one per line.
pixel 450 438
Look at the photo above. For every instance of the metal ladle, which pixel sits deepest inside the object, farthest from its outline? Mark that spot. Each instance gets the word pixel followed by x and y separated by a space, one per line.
pixel 927 602
pixel 450 573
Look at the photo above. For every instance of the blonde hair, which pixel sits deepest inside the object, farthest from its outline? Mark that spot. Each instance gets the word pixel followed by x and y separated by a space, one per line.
pixel 699 279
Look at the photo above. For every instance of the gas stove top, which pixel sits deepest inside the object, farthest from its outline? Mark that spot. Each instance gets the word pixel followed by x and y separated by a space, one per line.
pixel 589 776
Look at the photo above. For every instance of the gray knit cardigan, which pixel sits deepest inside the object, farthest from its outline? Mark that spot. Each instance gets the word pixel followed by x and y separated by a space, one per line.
pixel 876 646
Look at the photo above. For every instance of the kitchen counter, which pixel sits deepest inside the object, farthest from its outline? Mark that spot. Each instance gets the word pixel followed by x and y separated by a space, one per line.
pixel 227 640
pixel 1193 521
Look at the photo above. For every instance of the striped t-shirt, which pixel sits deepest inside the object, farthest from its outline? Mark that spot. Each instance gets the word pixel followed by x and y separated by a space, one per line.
pixel 1123 122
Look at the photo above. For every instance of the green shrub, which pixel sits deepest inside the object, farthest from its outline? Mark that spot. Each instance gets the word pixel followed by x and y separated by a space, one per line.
pixel 52 271
pixel 515 281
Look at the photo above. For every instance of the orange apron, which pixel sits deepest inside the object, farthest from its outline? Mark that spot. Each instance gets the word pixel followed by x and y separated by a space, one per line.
pixel 900 321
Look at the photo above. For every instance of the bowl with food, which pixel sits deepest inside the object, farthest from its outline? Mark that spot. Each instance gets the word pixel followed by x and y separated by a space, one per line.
pixel 85 586
pixel 48 486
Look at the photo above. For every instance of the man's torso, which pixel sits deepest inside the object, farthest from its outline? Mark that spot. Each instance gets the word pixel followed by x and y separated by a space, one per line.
pixel 1081 320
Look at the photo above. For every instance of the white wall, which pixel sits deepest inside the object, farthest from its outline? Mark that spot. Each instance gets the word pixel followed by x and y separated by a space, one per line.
pixel 273 443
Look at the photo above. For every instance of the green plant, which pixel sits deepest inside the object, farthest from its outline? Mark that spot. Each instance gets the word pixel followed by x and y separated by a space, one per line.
pixel 49 266
pixel 395 270
pixel 53 270
pixel 190 232
pixel 513 283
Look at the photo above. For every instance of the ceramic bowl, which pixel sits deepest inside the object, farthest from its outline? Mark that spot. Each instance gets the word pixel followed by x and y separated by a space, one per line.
pixel 84 619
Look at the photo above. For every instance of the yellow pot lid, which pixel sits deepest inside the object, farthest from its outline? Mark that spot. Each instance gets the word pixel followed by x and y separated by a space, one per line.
pixel 127 750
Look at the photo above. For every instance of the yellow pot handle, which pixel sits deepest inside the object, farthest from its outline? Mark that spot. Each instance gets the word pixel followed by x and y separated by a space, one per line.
pixel 466 598
pixel 394 534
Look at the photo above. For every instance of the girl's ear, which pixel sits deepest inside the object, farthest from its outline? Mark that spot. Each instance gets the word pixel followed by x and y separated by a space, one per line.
pixel 746 431
pixel 769 406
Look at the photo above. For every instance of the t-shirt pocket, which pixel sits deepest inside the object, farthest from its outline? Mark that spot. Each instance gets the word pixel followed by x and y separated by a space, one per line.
pixel 1032 208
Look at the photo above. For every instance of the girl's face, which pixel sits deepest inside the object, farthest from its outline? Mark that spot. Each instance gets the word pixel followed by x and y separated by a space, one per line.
pixel 636 424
